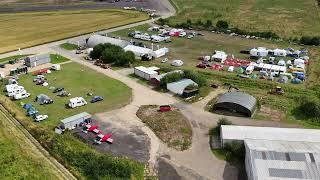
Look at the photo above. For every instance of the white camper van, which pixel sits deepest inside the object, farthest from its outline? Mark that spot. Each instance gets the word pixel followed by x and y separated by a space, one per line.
pixel 21 95
pixel 77 102
pixel 15 90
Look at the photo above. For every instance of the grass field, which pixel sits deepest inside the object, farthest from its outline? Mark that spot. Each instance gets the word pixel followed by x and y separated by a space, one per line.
pixel 287 18
pixel 78 80
pixel 19 160
pixel 20 30
pixel 68 46
pixel 190 50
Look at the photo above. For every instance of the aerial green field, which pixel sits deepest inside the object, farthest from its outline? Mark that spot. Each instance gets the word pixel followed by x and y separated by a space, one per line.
pixel 19 160
pixel 20 30
pixel 287 18
pixel 77 80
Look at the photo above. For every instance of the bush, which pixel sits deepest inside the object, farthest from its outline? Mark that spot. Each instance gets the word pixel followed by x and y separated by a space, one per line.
pixel 173 77
pixel 310 109
pixel 196 77
pixel 308 40
pixel 235 152
pixel 109 53
pixel 222 24
pixel 216 130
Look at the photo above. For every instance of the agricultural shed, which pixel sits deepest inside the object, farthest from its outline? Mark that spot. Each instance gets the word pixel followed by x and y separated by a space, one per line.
pixel 73 121
pixel 37 60
pixel 267 159
pixel 237 102
pixel 146 73
pixel 139 51
pixel 99 39
pixel 231 133
pixel 179 86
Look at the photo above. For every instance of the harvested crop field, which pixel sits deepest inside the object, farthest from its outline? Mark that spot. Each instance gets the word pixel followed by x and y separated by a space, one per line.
pixel 171 127
pixel 21 30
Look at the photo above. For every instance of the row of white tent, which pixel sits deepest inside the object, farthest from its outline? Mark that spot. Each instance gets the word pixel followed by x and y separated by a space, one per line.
pixel 263 52
pixel 137 50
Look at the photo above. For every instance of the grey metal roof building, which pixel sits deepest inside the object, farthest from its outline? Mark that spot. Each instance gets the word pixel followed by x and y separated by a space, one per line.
pixel 179 86
pixel 282 160
pixel 237 101
pixel 99 39
pixel 37 60
pixel 73 121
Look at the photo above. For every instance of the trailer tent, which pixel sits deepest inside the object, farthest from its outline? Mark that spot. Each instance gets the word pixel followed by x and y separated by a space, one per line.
pixel 73 121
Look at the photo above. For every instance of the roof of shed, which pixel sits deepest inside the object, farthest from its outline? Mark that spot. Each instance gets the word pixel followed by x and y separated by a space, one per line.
pixel 240 98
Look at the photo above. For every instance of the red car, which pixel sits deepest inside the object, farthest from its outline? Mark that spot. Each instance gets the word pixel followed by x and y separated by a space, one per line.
pixel 203 66
pixel 165 108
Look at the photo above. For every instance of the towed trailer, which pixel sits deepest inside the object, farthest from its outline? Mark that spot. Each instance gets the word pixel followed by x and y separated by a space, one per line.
pixel 73 121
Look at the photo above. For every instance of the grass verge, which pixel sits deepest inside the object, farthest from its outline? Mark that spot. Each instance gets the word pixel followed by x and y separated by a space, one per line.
pixel 171 127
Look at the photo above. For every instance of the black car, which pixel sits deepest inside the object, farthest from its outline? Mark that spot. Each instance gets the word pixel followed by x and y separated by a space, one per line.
pixel 58 90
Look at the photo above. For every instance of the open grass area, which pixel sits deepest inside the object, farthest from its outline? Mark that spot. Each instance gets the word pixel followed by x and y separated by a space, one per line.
pixel 171 127
pixel 19 160
pixel 68 46
pixel 77 80
pixel 189 51
pixel 55 59
pixel 83 161
pixel 287 18
pixel 20 30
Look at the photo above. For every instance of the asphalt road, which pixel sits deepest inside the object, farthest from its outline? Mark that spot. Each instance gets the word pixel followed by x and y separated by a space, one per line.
pixel 160 6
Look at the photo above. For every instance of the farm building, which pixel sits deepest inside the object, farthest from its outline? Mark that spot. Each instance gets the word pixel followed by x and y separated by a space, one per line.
pixel 146 73
pixel 267 159
pixel 238 102
pixel 37 60
pixel 156 80
pixel 19 70
pixel 99 39
pixel 74 121
pixel 258 52
pixel 140 51
pixel 219 56
pixel 180 86
pixel 230 133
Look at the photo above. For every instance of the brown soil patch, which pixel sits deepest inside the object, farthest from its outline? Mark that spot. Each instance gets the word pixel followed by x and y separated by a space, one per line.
pixel 171 127
pixel 274 115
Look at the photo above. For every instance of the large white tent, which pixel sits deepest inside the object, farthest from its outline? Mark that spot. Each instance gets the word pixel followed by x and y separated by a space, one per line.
pixel 140 51
pixel 259 52
pixel 99 39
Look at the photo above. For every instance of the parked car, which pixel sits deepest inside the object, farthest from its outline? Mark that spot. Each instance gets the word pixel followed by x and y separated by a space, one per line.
pixel 105 66
pixel 58 90
pixel 40 81
pixel 39 118
pixel 63 94
pixel 79 52
pixel 203 66
pixel 96 99
pixel 21 95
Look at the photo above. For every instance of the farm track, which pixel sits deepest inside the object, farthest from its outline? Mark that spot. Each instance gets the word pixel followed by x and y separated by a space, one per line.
pixel 64 173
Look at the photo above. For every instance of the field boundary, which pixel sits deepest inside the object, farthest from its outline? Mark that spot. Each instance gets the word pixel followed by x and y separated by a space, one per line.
pixel 59 167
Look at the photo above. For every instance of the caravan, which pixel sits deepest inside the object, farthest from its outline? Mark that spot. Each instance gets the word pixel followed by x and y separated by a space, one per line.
pixel 77 102
pixel 15 90
pixel 21 95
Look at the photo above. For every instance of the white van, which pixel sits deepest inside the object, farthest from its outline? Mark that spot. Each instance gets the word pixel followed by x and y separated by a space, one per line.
pixel 249 70
pixel 16 90
pixel 21 95
pixel 77 102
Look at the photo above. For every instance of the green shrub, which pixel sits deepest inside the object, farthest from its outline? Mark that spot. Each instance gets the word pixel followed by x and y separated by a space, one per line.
pixel 222 24
pixel 309 108
pixel 216 130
